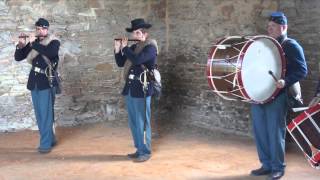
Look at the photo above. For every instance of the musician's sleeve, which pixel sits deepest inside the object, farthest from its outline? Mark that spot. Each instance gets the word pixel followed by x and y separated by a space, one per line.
pixel 21 54
pixel 298 67
pixel 120 59
pixel 51 50
pixel 149 52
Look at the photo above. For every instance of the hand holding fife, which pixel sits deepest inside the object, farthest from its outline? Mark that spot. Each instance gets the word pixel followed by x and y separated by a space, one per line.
pixel 22 40
pixel 124 42
pixel 117 45
pixel 32 38
pixel 280 83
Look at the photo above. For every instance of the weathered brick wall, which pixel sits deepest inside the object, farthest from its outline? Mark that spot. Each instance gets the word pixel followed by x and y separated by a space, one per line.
pixel 185 31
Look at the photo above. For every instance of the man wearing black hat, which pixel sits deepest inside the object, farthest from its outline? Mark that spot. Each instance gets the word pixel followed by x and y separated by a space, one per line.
pixel 269 120
pixel 135 59
pixel 39 51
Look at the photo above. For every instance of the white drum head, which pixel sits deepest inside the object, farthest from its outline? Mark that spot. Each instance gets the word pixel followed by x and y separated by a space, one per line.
pixel 261 57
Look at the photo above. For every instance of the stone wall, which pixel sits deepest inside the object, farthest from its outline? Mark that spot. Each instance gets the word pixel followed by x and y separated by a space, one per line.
pixel 185 31
pixel 91 79
pixel 200 25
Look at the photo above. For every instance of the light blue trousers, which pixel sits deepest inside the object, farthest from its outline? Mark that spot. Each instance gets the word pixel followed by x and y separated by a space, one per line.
pixel 43 102
pixel 269 127
pixel 136 119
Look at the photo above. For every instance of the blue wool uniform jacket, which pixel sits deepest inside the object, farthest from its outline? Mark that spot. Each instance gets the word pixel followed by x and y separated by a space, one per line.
pixel 296 68
pixel 147 57
pixel 35 79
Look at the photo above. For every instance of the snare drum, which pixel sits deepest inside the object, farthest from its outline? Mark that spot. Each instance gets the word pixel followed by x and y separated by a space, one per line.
pixel 239 68
pixel 305 130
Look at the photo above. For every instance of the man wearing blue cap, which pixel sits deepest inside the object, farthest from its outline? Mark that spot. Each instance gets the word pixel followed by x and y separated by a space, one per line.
pixel 135 59
pixel 41 50
pixel 269 120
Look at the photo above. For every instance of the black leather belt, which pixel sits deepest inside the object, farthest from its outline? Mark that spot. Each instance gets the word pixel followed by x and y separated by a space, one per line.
pixel 38 70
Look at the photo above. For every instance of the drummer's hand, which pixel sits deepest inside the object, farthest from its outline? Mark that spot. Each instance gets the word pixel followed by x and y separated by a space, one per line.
pixel 280 83
pixel 22 41
pixel 314 101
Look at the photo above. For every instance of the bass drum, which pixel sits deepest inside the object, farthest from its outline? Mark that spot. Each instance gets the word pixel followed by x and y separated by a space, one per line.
pixel 240 68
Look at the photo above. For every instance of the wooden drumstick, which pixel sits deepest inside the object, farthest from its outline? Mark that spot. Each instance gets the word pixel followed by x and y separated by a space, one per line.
pixel 273 76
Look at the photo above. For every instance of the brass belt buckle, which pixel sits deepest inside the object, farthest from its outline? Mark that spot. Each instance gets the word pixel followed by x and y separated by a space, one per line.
pixel 36 69
pixel 131 76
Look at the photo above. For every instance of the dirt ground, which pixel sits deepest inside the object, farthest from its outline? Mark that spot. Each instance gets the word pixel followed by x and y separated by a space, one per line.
pixel 98 151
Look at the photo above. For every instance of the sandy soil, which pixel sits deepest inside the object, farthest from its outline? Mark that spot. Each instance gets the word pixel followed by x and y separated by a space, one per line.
pixel 98 151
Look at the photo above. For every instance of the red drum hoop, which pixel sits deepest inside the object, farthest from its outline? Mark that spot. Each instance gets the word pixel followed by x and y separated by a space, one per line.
pixel 237 68
pixel 305 130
